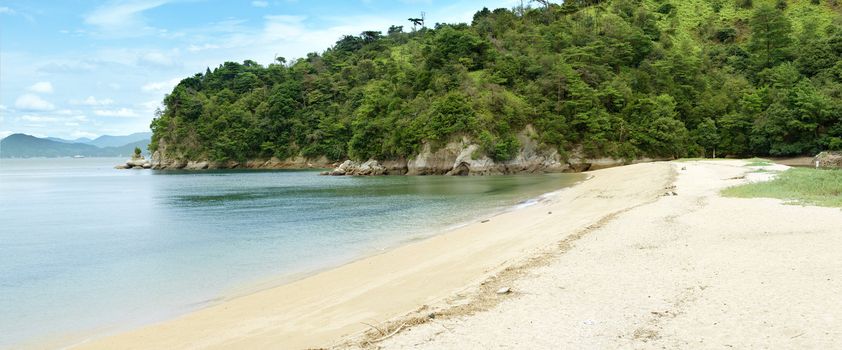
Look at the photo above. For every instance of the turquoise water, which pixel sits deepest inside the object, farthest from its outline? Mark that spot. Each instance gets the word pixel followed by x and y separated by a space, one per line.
pixel 86 249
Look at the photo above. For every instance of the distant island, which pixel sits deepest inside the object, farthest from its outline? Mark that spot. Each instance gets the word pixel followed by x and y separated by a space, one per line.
pixel 27 146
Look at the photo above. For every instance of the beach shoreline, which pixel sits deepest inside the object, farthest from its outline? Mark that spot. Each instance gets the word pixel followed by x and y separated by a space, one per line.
pixel 280 280
pixel 472 216
pixel 320 310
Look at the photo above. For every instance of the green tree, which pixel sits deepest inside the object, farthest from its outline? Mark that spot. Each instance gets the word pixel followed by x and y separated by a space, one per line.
pixel 771 37
pixel 706 135
pixel 450 114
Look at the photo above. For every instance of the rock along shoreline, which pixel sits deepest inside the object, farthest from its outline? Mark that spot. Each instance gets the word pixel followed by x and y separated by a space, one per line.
pixel 136 162
pixel 457 158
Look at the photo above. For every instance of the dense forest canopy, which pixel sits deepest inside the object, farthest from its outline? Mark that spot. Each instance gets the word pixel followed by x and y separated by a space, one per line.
pixel 622 78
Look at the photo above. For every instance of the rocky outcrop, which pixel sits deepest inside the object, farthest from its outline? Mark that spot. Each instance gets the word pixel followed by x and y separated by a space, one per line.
pixel 137 162
pixel 461 157
pixel 162 160
pixel 348 167
pixel 828 159
pixel 464 158
pixel 164 163
pixel 192 165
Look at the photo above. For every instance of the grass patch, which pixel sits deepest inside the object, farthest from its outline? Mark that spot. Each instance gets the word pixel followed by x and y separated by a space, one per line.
pixel 684 160
pixel 758 162
pixel 751 161
pixel 804 186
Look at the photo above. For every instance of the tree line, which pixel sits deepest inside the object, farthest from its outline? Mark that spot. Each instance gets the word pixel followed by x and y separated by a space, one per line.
pixel 621 78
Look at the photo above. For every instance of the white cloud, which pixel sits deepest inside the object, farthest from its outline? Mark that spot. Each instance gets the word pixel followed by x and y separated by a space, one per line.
pixel 67 66
pixel 93 101
pixel 260 3
pixel 39 119
pixel 5 133
pixel 127 57
pixel 285 35
pixel 65 112
pixel 122 113
pixel 44 87
pixel 4 108
pixel 32 102
pixel 283 27
pixel 122 16
pixel 7 11
pixel 159 86
pixel 76 120
pixel 197 48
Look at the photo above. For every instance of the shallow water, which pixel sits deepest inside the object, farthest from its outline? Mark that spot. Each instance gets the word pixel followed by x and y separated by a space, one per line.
pixel 88 249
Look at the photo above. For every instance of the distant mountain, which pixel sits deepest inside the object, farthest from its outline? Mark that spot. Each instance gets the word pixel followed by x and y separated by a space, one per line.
pixel 117 141
pixel 127 149
pixel 79 140
pixel 107 140
pixel 27 146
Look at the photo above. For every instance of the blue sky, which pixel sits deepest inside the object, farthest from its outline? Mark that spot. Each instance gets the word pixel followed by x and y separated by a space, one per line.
pixel 86 68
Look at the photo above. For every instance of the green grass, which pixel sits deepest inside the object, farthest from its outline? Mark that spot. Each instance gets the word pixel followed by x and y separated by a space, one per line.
pixel 751 161
pixel 803 186
pixel 683 160
pixel 758 162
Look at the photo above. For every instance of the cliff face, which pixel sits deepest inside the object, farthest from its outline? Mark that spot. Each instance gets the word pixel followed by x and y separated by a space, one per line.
pixel 456 158
pixel 163 160
pixel 462 157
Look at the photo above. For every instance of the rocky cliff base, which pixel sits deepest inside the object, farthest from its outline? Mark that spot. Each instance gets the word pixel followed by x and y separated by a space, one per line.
pixel 473 167
pixel 462 157
pixel 465 158
pixel 137 162
pixel 162 162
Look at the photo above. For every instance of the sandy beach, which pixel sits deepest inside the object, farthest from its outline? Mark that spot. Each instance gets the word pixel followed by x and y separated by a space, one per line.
pixel 609 263
pixel 692 271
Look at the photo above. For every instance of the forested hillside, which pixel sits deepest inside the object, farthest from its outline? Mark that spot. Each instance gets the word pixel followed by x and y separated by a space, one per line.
pixel 622 79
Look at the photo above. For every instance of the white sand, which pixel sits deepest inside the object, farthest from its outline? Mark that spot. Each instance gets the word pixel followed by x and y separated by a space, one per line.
pixel 689 271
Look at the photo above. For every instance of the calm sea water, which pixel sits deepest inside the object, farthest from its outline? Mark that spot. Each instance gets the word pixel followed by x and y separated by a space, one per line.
pixel 86 249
